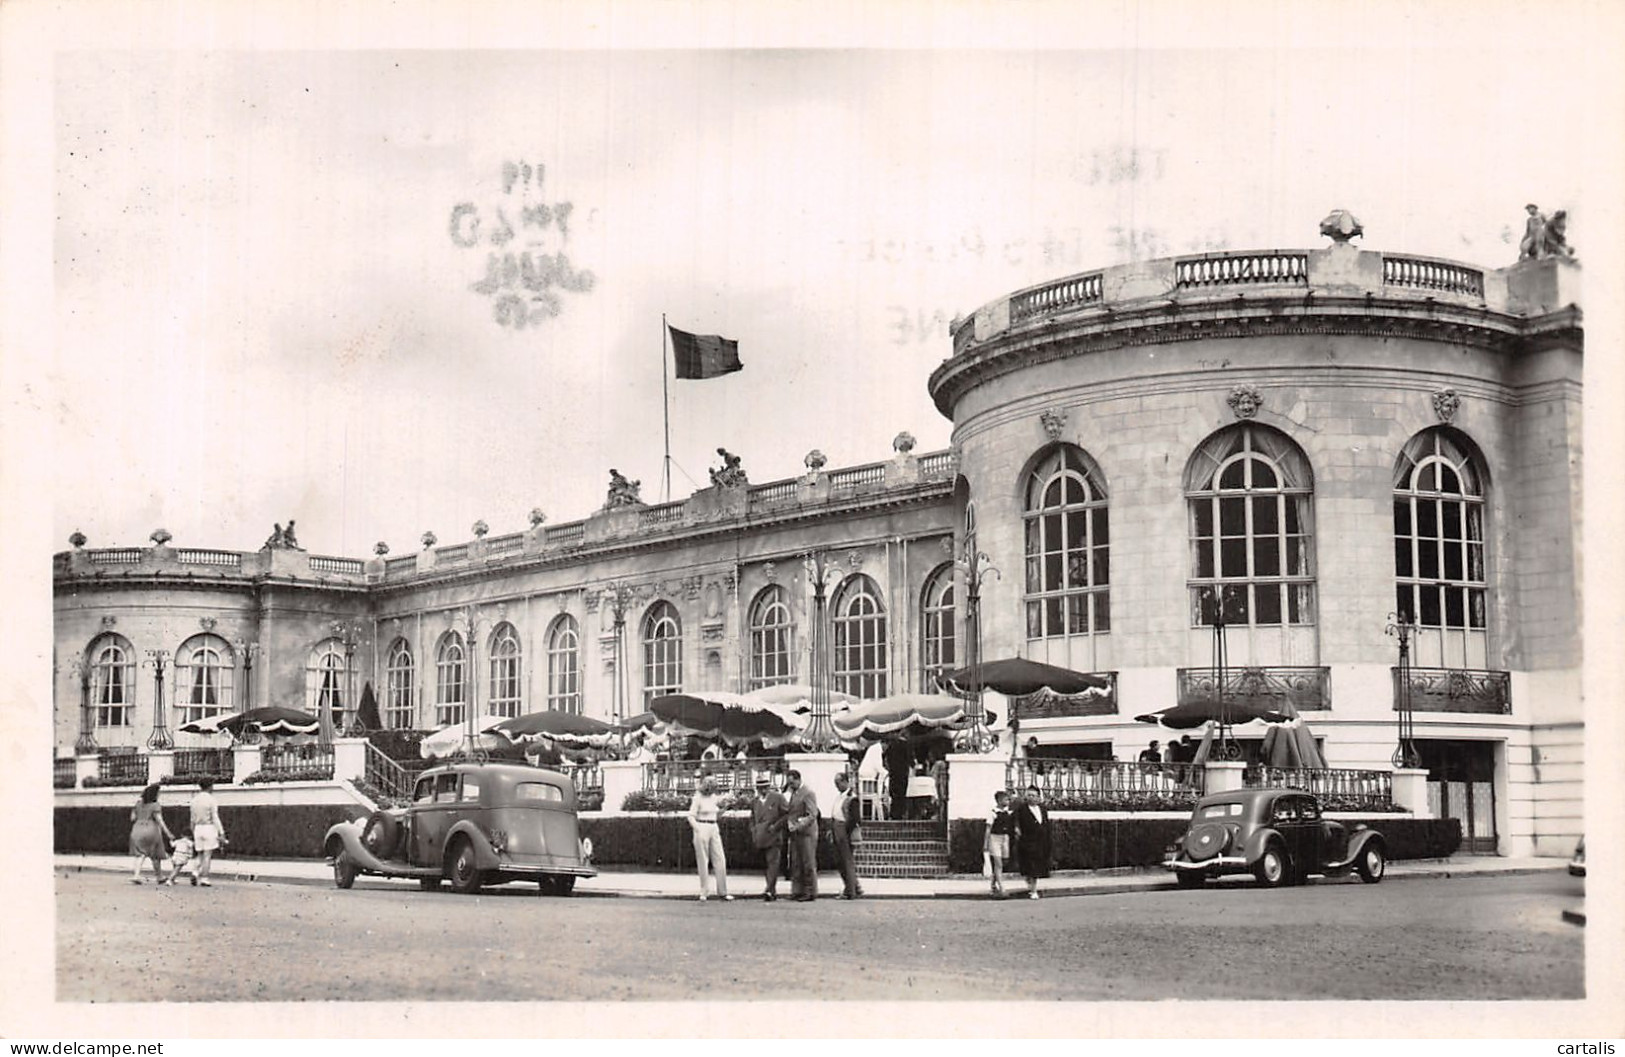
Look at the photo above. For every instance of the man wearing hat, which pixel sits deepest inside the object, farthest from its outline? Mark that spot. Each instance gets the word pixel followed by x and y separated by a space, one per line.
pixel 767 830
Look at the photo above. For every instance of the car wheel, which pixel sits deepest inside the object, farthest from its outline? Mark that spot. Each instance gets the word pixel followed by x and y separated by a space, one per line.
pixel 1371 864
pixel 1271 868
pixel 564 886
pixel 463 869
pixel 381 834
pixel 344 870
pixel 1189 878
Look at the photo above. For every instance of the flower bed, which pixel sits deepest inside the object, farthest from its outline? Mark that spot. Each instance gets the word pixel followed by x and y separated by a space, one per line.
pixel 291 774
pixel 671 801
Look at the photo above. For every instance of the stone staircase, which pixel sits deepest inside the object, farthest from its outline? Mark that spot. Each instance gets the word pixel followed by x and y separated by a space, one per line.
pixel 902 849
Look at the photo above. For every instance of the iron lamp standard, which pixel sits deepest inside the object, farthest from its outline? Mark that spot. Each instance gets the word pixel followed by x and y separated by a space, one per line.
pixel 975 568
pixel 160 737
pixel 247 651
pixel 1227 748
pixel 822 572
pixel 351 635
pixel 85 744
pixel 621 596
pixel 1402 627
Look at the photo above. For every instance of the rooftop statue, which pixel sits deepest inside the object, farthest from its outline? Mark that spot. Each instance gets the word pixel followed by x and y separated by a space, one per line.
pixel 621 491
pixel 731 474
pixel 282 539
pixel 1545 236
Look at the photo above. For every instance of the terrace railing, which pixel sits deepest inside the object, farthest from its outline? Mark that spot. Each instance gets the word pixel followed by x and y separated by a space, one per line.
pixel 192 764
pixel 122 768
pixel 1073 292
pixel 777 492
pixel 342 566
pixel 1424 274
pixel 857 477
pixel 1337 789
pixel 64 772
pixel 937 464
pixel 116 556
pixel 455 553
pixel 663 514
pixel 228 559
pixel 683 776
pixel 497 546
pixel 571 532
pixel 311 761
pixel 1241 269
pixel 1457 690
pixel 389 777
pixel 1271 686
pixel 401 566
pixel 1109 785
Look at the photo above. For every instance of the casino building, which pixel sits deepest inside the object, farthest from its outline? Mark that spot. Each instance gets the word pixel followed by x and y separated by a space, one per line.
pixel 1310 448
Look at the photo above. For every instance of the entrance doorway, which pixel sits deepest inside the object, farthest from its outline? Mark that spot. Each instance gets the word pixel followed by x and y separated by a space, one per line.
pixel 1461 785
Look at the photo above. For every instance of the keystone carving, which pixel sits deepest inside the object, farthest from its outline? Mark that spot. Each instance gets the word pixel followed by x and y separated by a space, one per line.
pixel 1054 421
pixel 1446 403
pixel 1245 400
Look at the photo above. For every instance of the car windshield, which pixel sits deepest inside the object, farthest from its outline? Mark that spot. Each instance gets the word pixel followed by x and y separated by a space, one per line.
pixel 1228 810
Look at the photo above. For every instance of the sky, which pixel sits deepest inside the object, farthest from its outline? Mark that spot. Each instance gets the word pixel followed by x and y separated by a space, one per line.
pixel 269 304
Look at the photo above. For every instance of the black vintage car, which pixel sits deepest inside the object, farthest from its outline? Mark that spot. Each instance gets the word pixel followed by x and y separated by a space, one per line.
pixel 1277 835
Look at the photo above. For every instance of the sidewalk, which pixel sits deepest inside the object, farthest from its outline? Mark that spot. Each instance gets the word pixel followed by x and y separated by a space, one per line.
pixel 613 882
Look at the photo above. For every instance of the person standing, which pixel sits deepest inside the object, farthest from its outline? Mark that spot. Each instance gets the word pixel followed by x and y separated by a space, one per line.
pixel 148 832
pixel 1001 824
pixel 767 831
pixel 703 813
pixel 939 780
pixel 848 832
pixel 802 823
pixel 1033 846
pixel 207 832
pixel 899 765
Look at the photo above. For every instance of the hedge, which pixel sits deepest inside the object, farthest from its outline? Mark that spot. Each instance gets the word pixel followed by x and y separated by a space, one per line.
pixel 667 843
pixel 1096 844
pixel 260 830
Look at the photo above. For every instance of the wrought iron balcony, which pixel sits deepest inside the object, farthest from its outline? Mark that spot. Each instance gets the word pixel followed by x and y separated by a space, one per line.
pixel 1305 689
pixel 1457 690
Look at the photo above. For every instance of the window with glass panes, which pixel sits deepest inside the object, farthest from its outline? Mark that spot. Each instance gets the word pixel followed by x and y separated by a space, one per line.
pixel 937 627
pixel 564 666
pixel 1248 490
pixel 505 696
pixel 1068 546
pixel 771 639
pixel 400 697
pixel 450 680
pixel 112 681
pixel 1439 534
pixel 662 652
pixel 860 665
pixel 203 683
pixel 324 680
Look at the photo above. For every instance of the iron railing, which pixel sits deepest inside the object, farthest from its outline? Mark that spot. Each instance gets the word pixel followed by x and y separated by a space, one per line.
pixel 122 768
pixel 310 761
pixel 389 776
pixel 1273 686
pixel 203 763
pixel 64 772
pixel 1337 789
pixel 1108 785
pixel 1457 690
pixel 683 776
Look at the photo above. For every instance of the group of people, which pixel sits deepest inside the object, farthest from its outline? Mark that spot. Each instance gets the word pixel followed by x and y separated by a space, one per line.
pixel 1020 828
pixel 1181 751
pixel 151 838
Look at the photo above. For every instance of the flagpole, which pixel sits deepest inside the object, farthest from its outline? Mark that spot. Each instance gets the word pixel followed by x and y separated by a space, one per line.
pixel 665 415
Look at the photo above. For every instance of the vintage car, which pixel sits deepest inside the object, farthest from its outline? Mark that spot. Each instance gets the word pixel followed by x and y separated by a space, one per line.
pixel 1577 865
pixel 472 824
pixel 1277 835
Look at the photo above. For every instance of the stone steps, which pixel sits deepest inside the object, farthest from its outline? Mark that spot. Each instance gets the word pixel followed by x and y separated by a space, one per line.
pixel 901 857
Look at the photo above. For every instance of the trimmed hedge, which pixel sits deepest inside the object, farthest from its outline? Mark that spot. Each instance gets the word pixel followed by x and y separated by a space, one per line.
pixel 667 843
pixel 1097 844
pixel 262 830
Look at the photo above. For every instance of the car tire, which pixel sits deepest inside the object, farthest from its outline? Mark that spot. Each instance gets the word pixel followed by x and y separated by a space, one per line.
pixel 1372 863
pixel 564 886
pixel 462 867
pixel 381 835
pixel 1271 868
pixel 1189 878
pixel 344 869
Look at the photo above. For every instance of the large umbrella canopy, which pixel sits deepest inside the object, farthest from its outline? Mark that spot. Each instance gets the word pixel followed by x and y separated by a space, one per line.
pixel 1018 676
pixel 898 714
pixel 366 713
pixel 1193 715
pixel 267 720
pixel 719 714
pixel 565 727
pixel 798 696
pixel 448 740
pixel 1291 745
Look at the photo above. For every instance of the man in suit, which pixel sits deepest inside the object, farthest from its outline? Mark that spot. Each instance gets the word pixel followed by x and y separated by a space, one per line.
pixel 767 831
pixel 899 765
pixel 847 834
pixel 1033 839
pixel 803 826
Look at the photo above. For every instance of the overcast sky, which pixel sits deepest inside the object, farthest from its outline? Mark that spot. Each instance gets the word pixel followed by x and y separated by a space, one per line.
pixel 266 298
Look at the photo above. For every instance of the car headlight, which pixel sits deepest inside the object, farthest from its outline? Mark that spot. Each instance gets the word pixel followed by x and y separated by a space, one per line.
pixel 586 849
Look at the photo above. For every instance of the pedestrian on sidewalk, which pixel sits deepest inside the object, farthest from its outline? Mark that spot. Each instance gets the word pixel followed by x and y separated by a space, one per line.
pixel 703 813
pixel 148 832
pixel 207 833
pixel 996 844
pixel 803 826
pixel 767 831
pixel 848 832
pixel 1033 844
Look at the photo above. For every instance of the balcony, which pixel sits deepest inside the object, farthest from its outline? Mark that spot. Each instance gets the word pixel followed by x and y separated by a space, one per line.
pixel 1274 687
pixel 1457 690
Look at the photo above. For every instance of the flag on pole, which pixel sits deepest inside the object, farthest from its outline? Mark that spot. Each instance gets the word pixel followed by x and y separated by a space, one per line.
pixel 703 355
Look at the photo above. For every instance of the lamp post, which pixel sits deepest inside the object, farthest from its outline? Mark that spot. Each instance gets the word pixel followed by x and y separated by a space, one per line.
pixel 470 620
pixel 85 744
pixel 620 597
pixel 160 737
pixel 822 573
pixel 1227 748
pixel 975 568
pixel 247 651
pixel 1401 627
pixel 350 635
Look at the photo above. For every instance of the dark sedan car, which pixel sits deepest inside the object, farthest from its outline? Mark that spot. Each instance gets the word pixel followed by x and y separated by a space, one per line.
pixel 1277 835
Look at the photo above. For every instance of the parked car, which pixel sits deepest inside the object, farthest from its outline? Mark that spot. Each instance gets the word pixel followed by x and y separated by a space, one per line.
pixel 1277 835
pixel 472 824
pixel 1577 865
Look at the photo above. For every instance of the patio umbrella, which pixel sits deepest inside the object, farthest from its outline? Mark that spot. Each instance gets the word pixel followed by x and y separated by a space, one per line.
pixel 1193 715
pixel 1018 676
pixel 1290 745
pixel 366 713
pixel 448 740
pixel 730 717
pixel 641 721
pixel 269 719
pixel 565 727
pixel 900 713
pixel 797 696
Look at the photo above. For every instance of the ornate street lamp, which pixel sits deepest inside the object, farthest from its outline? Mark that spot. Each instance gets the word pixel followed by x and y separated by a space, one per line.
pixel 85 744
pixel 1401 626
pixel 975 568
pixel 247 651
pixel 822 572
pixel 470 620
pixel 160 737
pixel 620 596
pixel 351 635
pixel 1227 748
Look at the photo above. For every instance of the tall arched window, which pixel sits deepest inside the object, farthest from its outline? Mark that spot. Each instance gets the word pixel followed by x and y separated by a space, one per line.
pixel 1248 489
pixel 860 664
pixel 662 652
pixel 203 679
pixel 400 697
pixel 564 665
pixel 1068 542
pixel 112 680
pixel 450 680
pixel 772 638
pixel 505 694
pixel 1439 559
pixel 937 626
pixel 324 680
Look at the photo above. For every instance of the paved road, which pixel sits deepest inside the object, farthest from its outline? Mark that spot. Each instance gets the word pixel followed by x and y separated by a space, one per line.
pixel 1445 938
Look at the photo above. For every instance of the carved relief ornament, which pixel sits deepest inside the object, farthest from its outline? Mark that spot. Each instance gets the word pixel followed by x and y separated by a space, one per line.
pixel 1446 402
pixel 1054 422
pixel 1245 400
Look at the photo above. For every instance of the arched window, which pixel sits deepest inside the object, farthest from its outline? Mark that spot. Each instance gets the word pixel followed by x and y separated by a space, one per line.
pixel 1439 559
pixel 112 680
pixel 772 638
pixel 860 663
pixel 662 652
pixel 1068 545
pixel 450 680
pixel 1248 489
pixel 505 695
pixel 203 679
pixel 937 626
pixel 564 666
pixel 400 700
pixel 324 681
